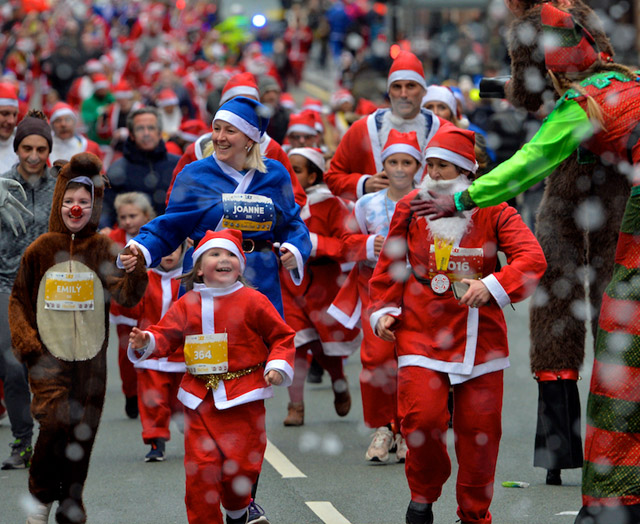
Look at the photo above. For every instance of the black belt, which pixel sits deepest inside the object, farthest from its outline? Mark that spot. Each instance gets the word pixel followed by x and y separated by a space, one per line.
pixel 634 136
pixel 249 245
pixel 422 280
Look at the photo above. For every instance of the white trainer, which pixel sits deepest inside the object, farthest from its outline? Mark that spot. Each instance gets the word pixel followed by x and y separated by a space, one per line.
pixel 39 513
pixel 380 445
pixel 401 448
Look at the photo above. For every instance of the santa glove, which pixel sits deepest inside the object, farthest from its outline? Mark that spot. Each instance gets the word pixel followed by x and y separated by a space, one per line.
pixel 10 207
pixel 440 206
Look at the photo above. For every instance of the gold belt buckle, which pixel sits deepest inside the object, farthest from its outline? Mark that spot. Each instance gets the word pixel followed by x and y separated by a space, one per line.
pixel 251 243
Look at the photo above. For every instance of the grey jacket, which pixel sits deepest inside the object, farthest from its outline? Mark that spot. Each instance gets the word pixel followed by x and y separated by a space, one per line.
pixel 39 197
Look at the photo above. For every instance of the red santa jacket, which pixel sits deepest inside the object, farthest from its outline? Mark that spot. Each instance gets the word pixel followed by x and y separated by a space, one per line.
pixel 433 330
pixel 256 335
pixel 162 291
pixel 269 148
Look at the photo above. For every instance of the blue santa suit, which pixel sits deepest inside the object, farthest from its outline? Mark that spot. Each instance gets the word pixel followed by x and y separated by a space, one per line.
pixel 261 205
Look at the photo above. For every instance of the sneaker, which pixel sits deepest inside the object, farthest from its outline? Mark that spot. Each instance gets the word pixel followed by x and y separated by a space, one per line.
pixel 380 445
pixel 314 375
pixel 156 454
pixel 131 407
pixel 401 448
pixel 256 514
pixel 419 513
pixel 20 457
pixel 239 520
pixel 39 514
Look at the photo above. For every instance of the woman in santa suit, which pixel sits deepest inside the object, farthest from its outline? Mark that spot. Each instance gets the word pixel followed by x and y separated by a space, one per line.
pixel 443 341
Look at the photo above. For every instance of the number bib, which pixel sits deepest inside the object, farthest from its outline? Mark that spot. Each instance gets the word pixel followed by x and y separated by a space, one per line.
pixel 206 354
pixel 247 212
pixel 463 262
pixel 69 291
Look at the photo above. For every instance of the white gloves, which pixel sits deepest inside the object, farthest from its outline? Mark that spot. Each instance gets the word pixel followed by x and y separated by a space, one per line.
pixel 10 206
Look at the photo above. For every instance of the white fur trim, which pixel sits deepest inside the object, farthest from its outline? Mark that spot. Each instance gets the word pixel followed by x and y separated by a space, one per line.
pixel 347 321
pixel 401 148
pixel 302 128
pixel 296 274
pixel 231 118
pixel 342 349
pixel 224 243
pixel 451 156
pixel 496 290
pixel 145 252
pixel 65 111
pixel 239 91
pixel 454 378
pixel 162 364
pixel 376 315
pixel 370 253
pixel 437 93
pixel 119 95
pixel 310 154
pixel 165 102
pixel 283 367
pixel 221 401
pixel 132 354
pixel 13 102
pixel 188 400
pixel 121 320
pixel 314 243
pixel 360 189
pixel 304 336
pixel 406 74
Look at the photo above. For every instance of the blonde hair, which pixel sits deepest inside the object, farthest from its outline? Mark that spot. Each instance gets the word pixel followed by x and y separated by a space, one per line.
pixel 253 160
pixel 135 198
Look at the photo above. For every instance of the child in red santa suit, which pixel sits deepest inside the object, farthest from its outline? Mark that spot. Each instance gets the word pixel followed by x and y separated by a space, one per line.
pixel 305 306
pixel 236 347
pixel 369 225
pixel 444 341
pixel 158 379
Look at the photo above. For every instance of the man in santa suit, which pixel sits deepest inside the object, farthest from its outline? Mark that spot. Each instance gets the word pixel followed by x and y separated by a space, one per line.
pixel 66 141
pixel 356 167
pixel 243 84
pixel 170 113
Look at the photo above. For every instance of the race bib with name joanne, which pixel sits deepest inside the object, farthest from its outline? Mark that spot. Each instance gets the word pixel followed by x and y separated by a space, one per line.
pixel 69 291
pixel 247 212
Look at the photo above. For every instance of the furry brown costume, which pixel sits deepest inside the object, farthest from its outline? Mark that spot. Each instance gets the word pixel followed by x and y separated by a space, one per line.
pixel 65 351
pixel 557 316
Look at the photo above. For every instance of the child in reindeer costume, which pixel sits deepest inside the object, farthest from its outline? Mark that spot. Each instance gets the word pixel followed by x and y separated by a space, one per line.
pixel 59 319
pixel 559 307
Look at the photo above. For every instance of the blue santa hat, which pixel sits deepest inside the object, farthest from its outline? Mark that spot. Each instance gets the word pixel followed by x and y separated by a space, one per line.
pixel 248 115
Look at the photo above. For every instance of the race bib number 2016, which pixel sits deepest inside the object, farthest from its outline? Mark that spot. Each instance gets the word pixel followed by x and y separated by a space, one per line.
pixel 247 212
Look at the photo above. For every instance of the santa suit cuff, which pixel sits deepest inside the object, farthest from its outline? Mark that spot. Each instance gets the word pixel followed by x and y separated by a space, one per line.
pixel 282 367
pixel 376 315
pixel 296 274
pixel 360 187
pixel 143 250
pixel 314 243
pixel 147 351
pixel 496 290
pixel 370 245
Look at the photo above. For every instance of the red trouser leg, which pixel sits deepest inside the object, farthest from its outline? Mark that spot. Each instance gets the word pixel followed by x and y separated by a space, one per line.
pixel 127 371
pixel 223 456
pixel 157 391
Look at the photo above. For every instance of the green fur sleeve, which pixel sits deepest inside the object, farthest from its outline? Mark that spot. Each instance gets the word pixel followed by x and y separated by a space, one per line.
pixel 560 135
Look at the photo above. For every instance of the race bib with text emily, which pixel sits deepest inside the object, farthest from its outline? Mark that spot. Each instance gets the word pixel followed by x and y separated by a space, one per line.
pixel 206 354
pixel 69 291
pixel 247 212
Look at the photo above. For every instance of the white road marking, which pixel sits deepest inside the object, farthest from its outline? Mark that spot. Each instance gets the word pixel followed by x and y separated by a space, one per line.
pixel 281 463
pixel 567 513
pixel 327 512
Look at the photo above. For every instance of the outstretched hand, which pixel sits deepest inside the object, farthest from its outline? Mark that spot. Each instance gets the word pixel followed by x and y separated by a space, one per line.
pixel 138 338
pixel 440 206
pixel 10 207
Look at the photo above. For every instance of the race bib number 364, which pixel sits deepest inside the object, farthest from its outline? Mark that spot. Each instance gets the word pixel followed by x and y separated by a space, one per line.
pixel 206 354
pixel 247 212
pixel 69 291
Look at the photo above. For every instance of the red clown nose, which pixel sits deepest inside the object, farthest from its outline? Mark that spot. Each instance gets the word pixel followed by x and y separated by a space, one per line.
pixel 76 211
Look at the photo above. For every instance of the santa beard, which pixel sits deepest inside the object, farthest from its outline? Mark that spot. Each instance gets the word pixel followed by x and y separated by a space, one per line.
pixel 171 122
pixel 417 124
pixel 451 228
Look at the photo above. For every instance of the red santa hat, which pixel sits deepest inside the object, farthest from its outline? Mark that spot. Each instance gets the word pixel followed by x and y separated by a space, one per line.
pixel 243 84
pixel 406 66
pixel 229 239
pixel 304 122
pixel 93 66
pixel 340 97
pixel 8 95
pixel 442 94
pixel 398 142
pixel 454 145
pixel 312 104
pixel 287 101
pixel 567 45
pixel 167 97
pixel 122 90
pixel 191 130
pixel 61 109
pixel 100 81
pixel 313 154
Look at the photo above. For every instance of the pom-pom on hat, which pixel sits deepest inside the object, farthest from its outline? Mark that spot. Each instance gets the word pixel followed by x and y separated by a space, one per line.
pixel 167 97
pixel 398 142
pixel 248 115
pixel 8 95
pixel 61 109
pixel 442 94
pixel 454 145
pixel 567 45
pixel 122 90
pixel 406 66
pixel 304 122
pixel 191 130
pixel 313 154
pixel 243 84
pixel 229 239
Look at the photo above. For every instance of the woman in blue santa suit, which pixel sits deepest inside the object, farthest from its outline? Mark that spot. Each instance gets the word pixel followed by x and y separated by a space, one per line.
pixel 235 188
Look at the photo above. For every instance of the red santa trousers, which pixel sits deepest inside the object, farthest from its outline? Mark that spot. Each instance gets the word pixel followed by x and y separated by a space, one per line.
pixel 157 402
pixel 477 426
pixel 223 457
pixel 127 371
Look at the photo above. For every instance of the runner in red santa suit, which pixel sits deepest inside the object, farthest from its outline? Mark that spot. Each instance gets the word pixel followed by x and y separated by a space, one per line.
pixel 356 167
pixel 443 341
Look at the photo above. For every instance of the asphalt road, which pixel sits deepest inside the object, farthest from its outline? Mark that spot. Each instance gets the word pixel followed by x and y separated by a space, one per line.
pixel 316 473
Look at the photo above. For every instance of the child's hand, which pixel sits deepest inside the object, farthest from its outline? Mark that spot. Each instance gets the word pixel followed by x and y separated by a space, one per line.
pixel 377 245
pixel 138 338
pixel 477 295
pixel 383 328
pixel 288 259
pixel 273 378
pixel 129 261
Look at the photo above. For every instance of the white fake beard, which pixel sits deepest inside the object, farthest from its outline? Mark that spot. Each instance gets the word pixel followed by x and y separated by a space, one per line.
pixel 417 124
pixel 452 228
pixel 171 123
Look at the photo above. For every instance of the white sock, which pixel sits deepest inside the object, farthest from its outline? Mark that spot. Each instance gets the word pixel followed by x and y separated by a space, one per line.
pixel 236 514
